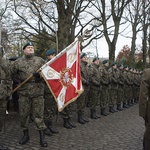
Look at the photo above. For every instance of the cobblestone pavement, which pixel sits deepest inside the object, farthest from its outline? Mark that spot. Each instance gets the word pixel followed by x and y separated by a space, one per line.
pixel 122 130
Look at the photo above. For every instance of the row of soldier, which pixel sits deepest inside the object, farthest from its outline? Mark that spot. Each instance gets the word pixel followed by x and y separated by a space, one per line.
pixel 103 86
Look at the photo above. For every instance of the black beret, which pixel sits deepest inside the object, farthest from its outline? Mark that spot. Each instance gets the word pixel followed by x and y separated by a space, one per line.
pixel 82 55
pixel 113 63
pixel 105 61
pixel 120 65
pixel 94 59
pixel 50 52
pixel 125 66
pixel 28 44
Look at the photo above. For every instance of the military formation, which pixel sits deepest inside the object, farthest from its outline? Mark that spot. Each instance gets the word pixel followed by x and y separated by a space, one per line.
pixel 108 87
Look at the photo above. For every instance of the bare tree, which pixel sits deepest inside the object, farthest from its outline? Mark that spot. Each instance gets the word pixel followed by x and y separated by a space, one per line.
pixel 111 14
pixel 60 19
pixel 145 25
pixel 133 16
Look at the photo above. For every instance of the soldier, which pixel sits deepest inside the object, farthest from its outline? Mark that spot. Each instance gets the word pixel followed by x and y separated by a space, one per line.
pixel 5 89
pixel 144 106
pixel 81 101
pixel 113 87
pixel 105 87
pixel 94 88
pixel 31 93
pixel 126 87
pixel 120 94
pixel 50 107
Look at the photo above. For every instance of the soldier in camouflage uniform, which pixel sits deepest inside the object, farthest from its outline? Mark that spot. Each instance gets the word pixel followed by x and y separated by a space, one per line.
pixel 94 88
pixel 31 93
pixel 5 89
pixel 81 101
pixel 126 86
pixel 105 87
pixel 130 74
pixel 113 87
pixel 50 107
pixel 120 87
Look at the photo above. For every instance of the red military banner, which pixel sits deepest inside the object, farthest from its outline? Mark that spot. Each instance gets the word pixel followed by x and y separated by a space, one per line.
pixel 62 75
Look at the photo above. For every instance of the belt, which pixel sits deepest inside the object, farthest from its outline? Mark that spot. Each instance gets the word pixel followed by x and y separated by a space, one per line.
pixel 2 81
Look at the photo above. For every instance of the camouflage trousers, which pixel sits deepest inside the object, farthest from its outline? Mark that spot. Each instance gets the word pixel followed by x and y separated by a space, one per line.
pixel 31 105
pixel 50 107
pixel 120 94
pixel 66 112
pixel 3 103
pixel 104 96
pixel 93 98
pixel 81 101
pixel 2 112
pixel 126 93
pixel 113 96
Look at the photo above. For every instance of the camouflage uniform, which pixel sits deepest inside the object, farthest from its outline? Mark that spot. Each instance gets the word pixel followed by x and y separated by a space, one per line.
pixel 120 91
pixel 113 87
pixel 31 93
pixel 126 85
pixel 94 89
pixel 5 89
pixel 105 88
pixel 81 101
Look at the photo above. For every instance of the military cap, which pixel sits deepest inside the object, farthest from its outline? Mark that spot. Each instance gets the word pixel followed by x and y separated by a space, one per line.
pixel 94 59
pixel 125 67
pixel 120 65
pixel 28 44
pixel 50 52
pixel 113 63
pixel 82 55
pixel 105 61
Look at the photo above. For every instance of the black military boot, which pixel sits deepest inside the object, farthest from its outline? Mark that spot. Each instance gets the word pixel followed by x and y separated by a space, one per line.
pixel 111 110
pixel 25 137
pixel 125 105
pixel 43 143
pixel 93 114
pixel 132 101
pixel 80 119
pixel 2 147
pixel 129 103
pixel 51 128
pixel 85 118
pixel 47 132
pixel 66 123
pixel 70 123
pixel 119 107
pixel 103 112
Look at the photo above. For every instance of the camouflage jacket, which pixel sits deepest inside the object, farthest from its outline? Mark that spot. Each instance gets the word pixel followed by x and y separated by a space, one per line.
pixel 113 76
pixel 84 72
pixel 24 67
pixel 5 80
pixel 104 75
pixel 95 76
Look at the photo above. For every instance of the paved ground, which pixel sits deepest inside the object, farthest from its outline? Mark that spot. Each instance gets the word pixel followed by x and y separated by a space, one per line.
pixel 119 131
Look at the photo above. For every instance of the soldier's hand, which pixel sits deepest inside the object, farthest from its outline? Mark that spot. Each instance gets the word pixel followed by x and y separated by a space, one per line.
pixel 36 75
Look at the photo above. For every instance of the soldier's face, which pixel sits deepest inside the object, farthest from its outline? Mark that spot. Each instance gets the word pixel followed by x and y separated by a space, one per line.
pixel 51 56
pixel 96 62
pixel 85 59
pixel 29 50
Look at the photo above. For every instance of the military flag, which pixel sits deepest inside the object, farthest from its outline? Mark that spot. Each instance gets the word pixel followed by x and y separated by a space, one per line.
pixel 62 75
